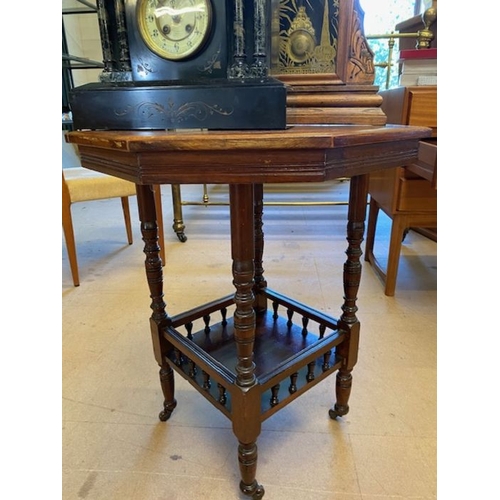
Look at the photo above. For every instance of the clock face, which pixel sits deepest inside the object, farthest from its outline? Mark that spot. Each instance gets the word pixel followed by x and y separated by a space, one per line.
pixel 174 29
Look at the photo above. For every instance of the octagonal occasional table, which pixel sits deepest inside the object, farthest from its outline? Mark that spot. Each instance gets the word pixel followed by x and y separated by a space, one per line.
pixel 255 351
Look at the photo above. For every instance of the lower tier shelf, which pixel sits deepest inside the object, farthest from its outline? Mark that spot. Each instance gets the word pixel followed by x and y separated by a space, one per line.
pixel 289 358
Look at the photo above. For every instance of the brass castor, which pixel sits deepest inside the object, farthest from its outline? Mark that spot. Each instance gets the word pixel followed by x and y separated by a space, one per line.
pixel 168 408
pixel 256 491
pixel 338 411
pixel 182 237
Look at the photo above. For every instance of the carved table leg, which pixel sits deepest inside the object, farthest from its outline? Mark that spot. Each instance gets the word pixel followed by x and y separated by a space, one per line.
pixel 178 225
pixel 348 322
pixel 242 252
pixel 168 389
pixel 247 457
pixel 154 274
pixel 246 404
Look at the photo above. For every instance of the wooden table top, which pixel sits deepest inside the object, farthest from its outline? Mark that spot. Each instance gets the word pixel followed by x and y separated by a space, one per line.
pixel 302 153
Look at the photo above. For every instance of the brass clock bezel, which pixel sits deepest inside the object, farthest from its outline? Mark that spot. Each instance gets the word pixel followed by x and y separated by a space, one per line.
pixel 165 54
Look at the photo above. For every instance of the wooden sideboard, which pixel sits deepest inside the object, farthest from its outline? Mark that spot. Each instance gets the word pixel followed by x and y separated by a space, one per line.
pixel 408 195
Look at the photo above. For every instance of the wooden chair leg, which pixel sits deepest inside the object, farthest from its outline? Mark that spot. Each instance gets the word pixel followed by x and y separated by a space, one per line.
pixel 126 216
pixel 159 222
pixel 69 237
pixel 399 224
pixel 371 228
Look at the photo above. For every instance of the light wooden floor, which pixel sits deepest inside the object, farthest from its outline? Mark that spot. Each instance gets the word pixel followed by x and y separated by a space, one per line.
pixel 114 446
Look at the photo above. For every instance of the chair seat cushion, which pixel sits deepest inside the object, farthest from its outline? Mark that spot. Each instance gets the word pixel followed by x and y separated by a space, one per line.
pixel 85 185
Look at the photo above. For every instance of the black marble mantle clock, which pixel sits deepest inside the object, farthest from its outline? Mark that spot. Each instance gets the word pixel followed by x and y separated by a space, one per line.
pixel 176 64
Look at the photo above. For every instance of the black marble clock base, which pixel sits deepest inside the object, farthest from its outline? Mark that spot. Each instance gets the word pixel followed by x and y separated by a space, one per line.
pixel 214 104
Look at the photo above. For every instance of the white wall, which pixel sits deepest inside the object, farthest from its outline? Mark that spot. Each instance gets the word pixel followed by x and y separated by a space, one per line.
pixel 82 34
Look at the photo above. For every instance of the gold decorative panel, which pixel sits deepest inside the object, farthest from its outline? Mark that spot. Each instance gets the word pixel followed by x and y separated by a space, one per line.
pixel 304 36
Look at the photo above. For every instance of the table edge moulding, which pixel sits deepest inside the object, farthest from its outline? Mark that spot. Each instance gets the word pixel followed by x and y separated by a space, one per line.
pixel 252 353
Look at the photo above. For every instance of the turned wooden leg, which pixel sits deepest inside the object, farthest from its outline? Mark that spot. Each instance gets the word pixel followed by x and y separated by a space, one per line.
pixel 243 252
pixel 247 457
pixel 342 392
pixel 246 403
pixel 154 274
pixel 348 350
pixel 168 389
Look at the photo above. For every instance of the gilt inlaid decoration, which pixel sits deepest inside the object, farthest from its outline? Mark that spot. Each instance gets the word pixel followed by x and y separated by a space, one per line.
pixel 305 36
pixel 173 113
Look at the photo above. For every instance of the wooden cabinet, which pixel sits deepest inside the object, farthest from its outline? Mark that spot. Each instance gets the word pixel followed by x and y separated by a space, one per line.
pixel 408 195
pixel 411 106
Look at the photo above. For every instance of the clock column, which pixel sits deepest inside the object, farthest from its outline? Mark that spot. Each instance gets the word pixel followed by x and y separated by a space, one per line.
pixel 114 42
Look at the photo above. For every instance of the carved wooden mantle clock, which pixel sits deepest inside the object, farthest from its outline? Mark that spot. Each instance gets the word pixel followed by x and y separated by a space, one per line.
pixel 320 51
pixel 229 64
